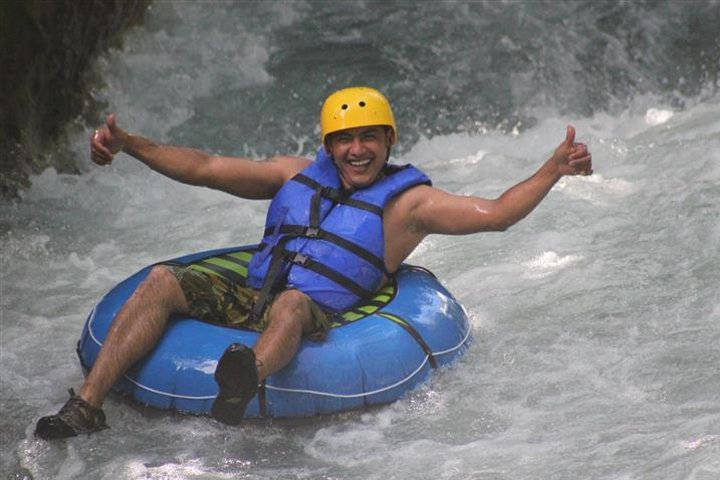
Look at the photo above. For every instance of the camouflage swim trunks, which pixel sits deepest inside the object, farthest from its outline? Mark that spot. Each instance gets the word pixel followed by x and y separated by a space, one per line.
pixel 213 298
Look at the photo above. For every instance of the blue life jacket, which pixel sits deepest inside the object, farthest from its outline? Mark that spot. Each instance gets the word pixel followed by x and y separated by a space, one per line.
pixel 325 241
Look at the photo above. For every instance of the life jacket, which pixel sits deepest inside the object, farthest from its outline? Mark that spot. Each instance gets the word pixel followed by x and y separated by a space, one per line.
pixel 325 241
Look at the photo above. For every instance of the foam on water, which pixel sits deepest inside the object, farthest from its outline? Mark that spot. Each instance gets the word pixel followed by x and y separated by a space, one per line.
pixel 593 335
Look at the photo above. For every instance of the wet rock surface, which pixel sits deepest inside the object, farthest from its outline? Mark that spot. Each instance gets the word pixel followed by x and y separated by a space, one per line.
pixel 47 49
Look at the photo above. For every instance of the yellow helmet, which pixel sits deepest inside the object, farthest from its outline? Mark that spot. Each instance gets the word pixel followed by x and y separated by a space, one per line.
pixel 356 107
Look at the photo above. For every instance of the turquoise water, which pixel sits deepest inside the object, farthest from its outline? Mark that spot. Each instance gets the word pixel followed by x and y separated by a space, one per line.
pixel 596 319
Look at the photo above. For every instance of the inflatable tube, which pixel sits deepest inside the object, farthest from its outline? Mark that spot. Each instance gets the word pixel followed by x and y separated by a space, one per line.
pixel 373 355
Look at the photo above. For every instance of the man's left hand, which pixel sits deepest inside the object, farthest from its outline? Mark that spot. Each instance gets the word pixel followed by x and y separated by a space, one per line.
pixel 573 158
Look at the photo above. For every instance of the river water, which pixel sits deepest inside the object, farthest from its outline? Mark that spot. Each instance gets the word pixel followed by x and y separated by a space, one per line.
pixel 596 320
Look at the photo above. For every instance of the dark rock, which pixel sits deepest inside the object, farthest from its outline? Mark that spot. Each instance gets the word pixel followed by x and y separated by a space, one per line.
pixel 46 51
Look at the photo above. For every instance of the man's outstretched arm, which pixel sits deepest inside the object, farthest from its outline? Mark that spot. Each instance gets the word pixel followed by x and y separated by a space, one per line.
pixel 237 176
pixel 440 212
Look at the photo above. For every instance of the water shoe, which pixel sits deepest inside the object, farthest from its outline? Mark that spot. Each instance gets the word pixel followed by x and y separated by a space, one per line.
pixel 237 378
pixel 75 417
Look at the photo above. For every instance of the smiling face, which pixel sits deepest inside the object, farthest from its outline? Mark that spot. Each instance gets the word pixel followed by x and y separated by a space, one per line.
pixel 360 154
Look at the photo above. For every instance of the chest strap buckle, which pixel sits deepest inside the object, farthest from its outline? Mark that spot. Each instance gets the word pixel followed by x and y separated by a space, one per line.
pixel 299 259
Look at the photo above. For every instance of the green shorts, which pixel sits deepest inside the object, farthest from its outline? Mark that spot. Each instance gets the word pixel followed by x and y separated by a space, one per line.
pixel 213 298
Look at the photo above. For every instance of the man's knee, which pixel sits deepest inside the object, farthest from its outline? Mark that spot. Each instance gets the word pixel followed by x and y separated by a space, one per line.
pixel 162 285
pixel 292 300
pixel 291 306
pixel 161 273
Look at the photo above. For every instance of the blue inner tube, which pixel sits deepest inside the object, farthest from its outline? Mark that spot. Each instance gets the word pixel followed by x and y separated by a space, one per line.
pixel 372 355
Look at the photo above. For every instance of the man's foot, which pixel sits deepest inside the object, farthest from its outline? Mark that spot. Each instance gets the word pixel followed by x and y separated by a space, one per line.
pixel 76 416
pixel 237 377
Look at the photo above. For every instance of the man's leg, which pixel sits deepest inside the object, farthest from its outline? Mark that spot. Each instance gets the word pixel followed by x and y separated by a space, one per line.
pixel 290 316
pixel 135 330
pixel 241 369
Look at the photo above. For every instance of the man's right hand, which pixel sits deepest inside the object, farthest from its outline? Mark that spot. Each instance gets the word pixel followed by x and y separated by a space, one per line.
pixel 107 141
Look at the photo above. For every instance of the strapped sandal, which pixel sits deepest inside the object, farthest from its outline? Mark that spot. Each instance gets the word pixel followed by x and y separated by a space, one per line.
pixel 75 417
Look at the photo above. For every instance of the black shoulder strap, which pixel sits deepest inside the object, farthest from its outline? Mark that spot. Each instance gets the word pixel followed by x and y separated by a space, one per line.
pixel 336 195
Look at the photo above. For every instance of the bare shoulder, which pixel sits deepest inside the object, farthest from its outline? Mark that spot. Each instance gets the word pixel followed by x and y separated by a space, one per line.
pixel 252 179
pixel 403 224
pixel 413 197
pixel 288 165
pixel 406 209
pixel 418 198
pixel 427 210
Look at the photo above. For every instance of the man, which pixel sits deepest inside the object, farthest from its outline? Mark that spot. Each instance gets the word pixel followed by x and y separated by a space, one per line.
pixel 349 211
